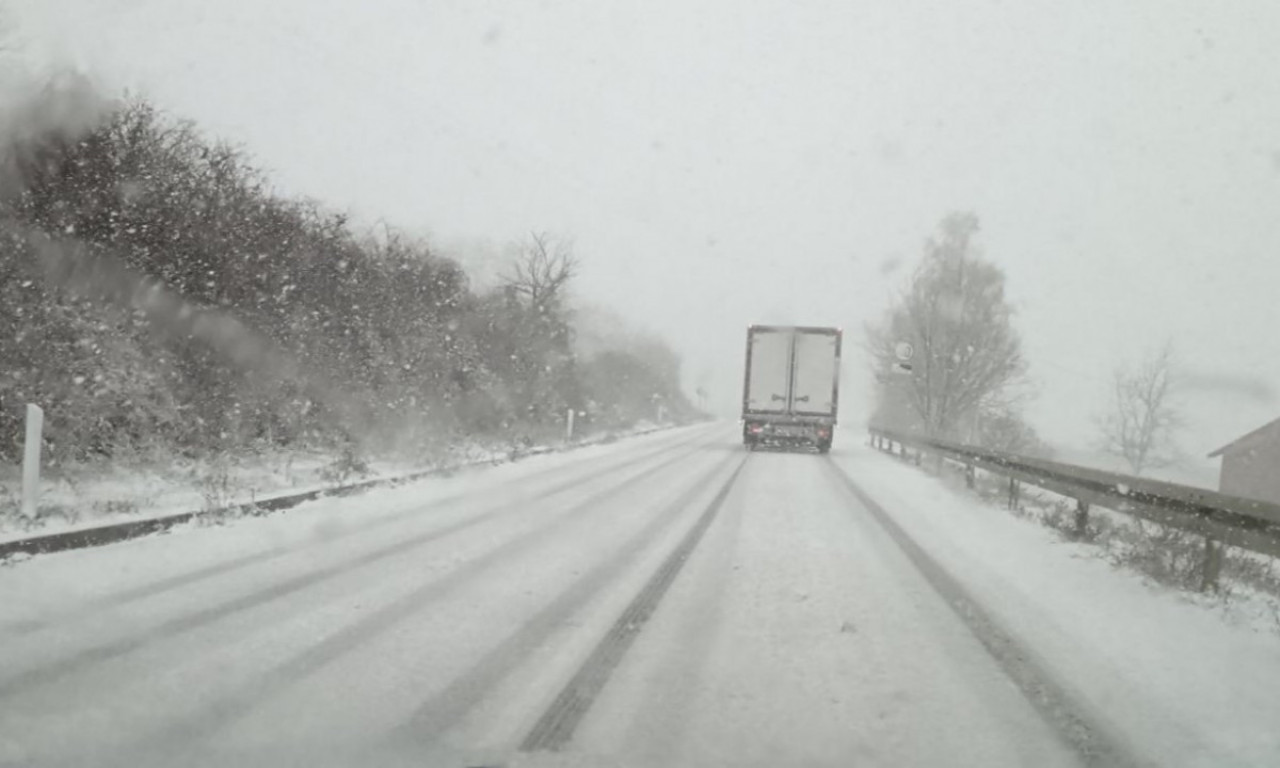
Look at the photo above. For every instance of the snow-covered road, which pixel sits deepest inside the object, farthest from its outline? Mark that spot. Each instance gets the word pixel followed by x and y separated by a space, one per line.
pixel 667 600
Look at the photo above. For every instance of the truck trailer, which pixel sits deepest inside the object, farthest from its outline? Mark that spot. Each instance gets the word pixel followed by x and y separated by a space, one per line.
pixel 791 392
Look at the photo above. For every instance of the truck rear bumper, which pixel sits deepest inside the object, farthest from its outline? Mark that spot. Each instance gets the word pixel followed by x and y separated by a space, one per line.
pixel 775 432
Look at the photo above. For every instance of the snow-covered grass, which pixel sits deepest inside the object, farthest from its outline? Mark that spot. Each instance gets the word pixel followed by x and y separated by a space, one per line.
pixel 1248 588
pixel 80 497
pixel 88 496
pixel 1193 678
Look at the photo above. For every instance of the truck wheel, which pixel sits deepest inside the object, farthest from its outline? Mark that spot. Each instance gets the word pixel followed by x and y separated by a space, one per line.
pixel 824 446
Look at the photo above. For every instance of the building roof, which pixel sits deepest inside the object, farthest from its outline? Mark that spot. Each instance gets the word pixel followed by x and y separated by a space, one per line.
pixel 1268 431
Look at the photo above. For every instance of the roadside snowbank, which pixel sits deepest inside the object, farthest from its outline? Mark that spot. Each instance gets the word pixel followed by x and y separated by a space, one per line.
pixel 108 495
pixel 1186 686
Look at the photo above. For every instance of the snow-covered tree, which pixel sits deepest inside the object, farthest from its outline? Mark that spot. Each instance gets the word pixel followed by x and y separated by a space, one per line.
pixel 954 315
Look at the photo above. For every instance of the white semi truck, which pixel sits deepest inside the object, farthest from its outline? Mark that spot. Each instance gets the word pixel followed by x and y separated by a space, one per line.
pixel 791 393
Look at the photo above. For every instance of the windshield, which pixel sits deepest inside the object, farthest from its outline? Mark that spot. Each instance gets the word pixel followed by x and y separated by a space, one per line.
pixel 639 383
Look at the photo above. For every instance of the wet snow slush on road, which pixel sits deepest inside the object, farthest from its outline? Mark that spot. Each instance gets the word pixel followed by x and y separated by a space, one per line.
pixel 669 600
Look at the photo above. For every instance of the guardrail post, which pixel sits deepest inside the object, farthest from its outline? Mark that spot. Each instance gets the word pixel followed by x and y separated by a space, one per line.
pixel 970 476
pixel 1082 519
pixel 568 426
pixel 1013 493
pixel 1212 565
pixel 31 462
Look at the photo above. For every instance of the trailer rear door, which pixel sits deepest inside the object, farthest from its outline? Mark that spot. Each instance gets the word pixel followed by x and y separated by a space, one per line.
pixel 768 369
pixel 817 362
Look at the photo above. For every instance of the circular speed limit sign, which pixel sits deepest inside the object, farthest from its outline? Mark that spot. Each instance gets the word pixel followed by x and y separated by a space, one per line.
pixel 904 350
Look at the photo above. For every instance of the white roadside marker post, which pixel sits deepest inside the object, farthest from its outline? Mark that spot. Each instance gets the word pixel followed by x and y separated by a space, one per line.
pixel 31 462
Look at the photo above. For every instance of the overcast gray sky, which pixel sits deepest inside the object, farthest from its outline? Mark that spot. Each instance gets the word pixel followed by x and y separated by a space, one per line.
pixel 725 162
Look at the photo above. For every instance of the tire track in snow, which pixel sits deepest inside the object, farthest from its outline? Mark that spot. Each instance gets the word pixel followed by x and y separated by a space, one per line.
pixel 185 735
pixel 555 728
pixel 48 673
pixel 446 708
pixel 214 570
pixel 1068 717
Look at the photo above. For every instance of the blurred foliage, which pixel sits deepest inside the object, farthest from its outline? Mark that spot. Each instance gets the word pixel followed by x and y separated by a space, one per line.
pixel 239 318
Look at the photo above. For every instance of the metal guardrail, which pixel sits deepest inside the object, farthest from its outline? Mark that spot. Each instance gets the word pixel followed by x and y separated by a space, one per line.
pixel 1221 518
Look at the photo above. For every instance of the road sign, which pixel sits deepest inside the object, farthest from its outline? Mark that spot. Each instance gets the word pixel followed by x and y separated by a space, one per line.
pixel 904 351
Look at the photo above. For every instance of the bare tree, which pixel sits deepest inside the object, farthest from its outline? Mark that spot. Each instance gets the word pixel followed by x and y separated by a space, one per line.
pixel 1143 421
pixel 533 322
pixel 544 265
pixel 953 313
